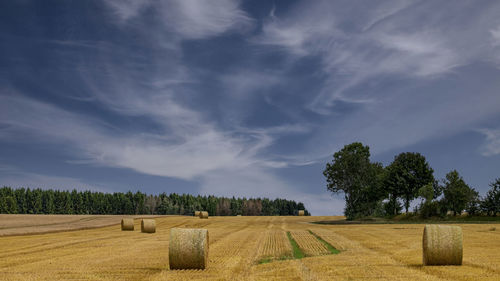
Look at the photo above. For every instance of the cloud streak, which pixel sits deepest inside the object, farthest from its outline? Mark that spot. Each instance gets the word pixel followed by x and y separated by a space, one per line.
pixel 389 39
pixel 492 142
pixel 189 19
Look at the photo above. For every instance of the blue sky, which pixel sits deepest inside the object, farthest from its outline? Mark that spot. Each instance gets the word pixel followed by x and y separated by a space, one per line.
pixel 243 98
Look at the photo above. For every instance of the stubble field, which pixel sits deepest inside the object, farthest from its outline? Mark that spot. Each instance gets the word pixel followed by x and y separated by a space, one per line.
pixel 243 248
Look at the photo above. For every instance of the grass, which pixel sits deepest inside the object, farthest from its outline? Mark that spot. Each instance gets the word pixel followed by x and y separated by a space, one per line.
pixel 328 245
pixel 297 252
pixel 270 259
pixel 265 260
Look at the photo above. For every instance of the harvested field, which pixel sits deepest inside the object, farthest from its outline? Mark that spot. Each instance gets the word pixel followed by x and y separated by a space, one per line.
pixel 237 244
pixel 33 224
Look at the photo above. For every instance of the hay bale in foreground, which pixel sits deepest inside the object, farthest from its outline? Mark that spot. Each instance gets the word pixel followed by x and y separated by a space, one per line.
pixel 442 245
pixel 203 215
pixel 196 213
pixel 301 212
pixel 127 224
pixel 188 248
pixel 148 226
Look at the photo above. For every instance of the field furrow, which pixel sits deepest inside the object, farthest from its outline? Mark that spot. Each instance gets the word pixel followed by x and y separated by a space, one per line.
pixel 308 243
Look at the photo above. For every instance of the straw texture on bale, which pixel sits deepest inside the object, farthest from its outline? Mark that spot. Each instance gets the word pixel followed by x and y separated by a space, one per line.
pixel 196 213
pixel 188 248
pixel 442 245
pixel 148 226
pixel 301 212
pixel 127 224
pixel 203 215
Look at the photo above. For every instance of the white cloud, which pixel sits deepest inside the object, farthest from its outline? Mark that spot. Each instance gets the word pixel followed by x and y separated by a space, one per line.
pixel 188 150
pixel 387 38
pixel 495 35
pixel 191 19
pixel 127 9
pixel 492 145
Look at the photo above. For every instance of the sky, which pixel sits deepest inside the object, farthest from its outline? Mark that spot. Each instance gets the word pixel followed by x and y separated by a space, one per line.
pixel 243 98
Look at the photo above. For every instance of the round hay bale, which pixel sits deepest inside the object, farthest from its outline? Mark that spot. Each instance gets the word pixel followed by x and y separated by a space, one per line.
pixel 127 224
pixel 196 213
pixel 188 248
pixel 442 245
pixel 148 226
pixel 301 212
pixel 203 215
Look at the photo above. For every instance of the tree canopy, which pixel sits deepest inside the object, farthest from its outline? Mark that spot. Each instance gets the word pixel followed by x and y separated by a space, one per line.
pixel 406 175
pixel 38 201
pixel 456 192
pixel 352 173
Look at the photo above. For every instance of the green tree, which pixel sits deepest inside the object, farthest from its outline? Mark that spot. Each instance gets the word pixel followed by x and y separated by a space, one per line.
pixel 77 202
pixel 20 194
pixel 406 175
pixel 37 201
pixel 491 203
pixel 352 173
pixel 457 194
pixel 472 207
pixel 10 205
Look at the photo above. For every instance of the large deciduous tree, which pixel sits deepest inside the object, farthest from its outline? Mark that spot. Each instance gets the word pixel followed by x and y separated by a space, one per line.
pixel 352 173
pixel 457 194
pixel 406 175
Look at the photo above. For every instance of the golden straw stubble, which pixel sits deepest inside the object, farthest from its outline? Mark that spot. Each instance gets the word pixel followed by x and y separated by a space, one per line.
pixel 148 226
pixel 203 215
pixel 188 248
pixel 442 245
pixel 127 224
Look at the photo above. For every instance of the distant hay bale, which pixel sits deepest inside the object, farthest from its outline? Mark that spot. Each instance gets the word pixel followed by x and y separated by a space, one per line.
pixel 301 212
pixel 127 224
pixel 188 248
pixel 238 215
pixel 442 245
pixel 196 213
pixel 148 226
pixel 203 215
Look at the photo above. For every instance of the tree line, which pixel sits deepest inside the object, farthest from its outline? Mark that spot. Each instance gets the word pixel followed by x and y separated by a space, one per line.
pixel 370 189
pixel 49 201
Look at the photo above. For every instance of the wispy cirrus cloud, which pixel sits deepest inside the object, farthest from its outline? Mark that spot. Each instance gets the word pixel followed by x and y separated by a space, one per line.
pixel 387 44
pixel 187 151
pixel 190 19
pixel 492 142
pixel 386 39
